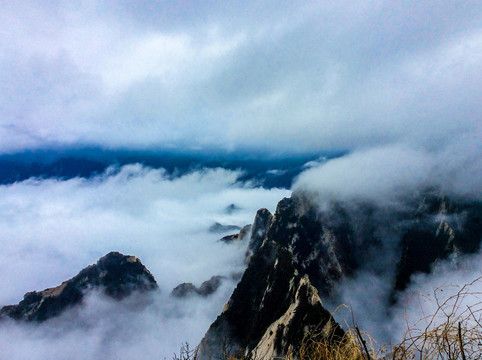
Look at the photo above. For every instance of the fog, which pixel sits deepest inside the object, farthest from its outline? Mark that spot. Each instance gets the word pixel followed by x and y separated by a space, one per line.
pixel 367 299
pixel 388 174
pixel 391 179
pixel 51 229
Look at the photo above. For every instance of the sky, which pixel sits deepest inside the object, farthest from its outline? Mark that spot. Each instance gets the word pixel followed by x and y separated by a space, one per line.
pixel 392 88
pixel 239 76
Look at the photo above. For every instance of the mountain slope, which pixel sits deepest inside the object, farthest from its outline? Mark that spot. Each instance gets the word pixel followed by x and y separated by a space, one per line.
pixel 115 274
pixel 268 309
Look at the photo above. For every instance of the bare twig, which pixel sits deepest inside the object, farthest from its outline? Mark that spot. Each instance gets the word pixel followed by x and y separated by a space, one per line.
pixel 461 343
pixel 363 342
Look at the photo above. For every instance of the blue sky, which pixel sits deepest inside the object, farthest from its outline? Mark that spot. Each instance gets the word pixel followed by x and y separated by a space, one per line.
pixel 271 76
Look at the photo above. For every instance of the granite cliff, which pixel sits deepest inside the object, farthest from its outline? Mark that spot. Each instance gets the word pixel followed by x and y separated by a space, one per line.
pixel 302 253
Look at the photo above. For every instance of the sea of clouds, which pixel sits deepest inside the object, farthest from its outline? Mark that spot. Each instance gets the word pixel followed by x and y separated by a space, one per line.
pixel 51 229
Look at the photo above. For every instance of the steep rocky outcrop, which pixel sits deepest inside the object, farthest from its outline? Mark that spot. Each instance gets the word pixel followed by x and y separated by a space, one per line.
pixel 304 317
pixel 442 228
pixel 116 275
pixel 262 222
pixel 207 288
pixel 306 249
pixel 334 243
pixel 270 311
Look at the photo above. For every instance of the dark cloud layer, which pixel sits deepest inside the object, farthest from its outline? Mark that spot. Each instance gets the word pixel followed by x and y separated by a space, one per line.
pixel 284 77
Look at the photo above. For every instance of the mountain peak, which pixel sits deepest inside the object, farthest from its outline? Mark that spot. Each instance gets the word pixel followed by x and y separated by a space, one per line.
pixel 115 274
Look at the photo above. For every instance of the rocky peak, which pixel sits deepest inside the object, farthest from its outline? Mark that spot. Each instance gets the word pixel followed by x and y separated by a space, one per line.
pixel 267 295
pixel 334 242
pixel 319 245
pixel 116 275
pixel 243 233
pixel 207 288
pixel 304 318
pixel 303 250
pixel 220 228
pixel 262 222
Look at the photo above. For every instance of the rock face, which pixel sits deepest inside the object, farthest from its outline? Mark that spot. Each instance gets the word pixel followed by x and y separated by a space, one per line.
pixel 332 244
pixel 207 288
pixel 115 274
pixel 243 233
pixel 270 311
pixel 442 228
pixel 305 249
pixel 261 224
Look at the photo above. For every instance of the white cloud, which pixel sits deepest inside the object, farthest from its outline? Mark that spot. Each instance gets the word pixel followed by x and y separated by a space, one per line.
pixel 283 78
pixel 367 298
pixel 389 174
pixel 52 229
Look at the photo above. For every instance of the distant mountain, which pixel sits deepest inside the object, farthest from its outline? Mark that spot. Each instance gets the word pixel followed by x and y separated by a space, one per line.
pixel 63 168
pixel 306 249
pixel 116 275
pixel 85 163
pixel 207 288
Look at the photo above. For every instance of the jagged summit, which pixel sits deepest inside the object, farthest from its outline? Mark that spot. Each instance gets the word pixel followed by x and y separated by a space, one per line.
pixel 262 222
pixel 305 248
pixel 207 288
pixel 334 242
pixel 270 311
pixel 442 228
pixel 115 274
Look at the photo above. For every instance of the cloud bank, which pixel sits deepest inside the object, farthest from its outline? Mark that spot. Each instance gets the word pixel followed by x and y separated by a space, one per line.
pixel 394 172
pixel 279 77
pixel 52 229
pixel 379 188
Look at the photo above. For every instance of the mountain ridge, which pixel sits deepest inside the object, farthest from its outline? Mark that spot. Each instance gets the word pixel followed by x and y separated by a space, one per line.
pixel 323 245
pixel 115 274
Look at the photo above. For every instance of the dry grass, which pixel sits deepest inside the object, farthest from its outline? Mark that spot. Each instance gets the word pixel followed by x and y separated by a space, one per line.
pixel 347 349
pixel 453 331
